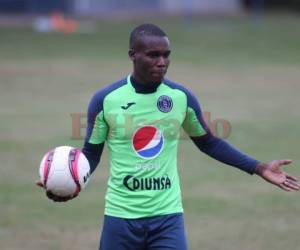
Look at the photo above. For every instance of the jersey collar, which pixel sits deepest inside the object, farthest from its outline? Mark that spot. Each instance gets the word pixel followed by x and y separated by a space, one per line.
pixel 142 88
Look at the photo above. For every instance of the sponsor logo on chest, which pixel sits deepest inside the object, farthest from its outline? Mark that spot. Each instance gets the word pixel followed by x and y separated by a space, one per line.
pixel 152 183
pixel 148 142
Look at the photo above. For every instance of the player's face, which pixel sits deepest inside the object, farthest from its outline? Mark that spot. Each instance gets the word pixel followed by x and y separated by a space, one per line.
pixel 150 59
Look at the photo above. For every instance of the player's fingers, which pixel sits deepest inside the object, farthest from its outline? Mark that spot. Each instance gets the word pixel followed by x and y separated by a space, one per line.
pixel 39 183
pixel 73 196
pixel 62 199
pixel 59 199
pixel 53 197
pixel 56 198
pixel 285 162
pixel 50 195
pixel 284 187
pixel 66 198
pixel 291 184
pixel 290 177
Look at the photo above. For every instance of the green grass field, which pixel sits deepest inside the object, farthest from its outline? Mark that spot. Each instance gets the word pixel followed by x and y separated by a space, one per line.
pixel 247 72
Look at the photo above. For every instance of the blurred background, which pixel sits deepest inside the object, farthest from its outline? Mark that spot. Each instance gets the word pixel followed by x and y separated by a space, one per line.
pixel 240 57
pixel 110 8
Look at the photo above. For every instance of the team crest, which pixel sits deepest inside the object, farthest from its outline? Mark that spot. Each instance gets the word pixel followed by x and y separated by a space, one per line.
pixel 164 103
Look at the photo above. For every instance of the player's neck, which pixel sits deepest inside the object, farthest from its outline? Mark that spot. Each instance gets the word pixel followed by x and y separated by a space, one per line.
pixel 144 88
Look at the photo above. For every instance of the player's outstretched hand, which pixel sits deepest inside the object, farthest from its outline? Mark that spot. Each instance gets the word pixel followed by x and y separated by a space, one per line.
pixel 273 173
pixel 54 197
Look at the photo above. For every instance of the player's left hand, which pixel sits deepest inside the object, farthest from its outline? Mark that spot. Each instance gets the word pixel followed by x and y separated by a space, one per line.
pixel 273 173
pixel 54 197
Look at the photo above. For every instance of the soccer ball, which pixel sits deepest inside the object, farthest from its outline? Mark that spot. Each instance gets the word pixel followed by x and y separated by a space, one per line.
pixel 64 171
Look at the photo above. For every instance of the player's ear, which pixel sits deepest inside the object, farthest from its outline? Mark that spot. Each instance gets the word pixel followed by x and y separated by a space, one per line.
pixel 131 53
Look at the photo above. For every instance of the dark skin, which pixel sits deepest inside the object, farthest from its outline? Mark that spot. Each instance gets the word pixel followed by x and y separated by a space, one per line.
pixel 54 197
pixel 272 172
pixel 150 57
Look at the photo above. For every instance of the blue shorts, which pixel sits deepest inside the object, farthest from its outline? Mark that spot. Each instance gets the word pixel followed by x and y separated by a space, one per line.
pixel 159 233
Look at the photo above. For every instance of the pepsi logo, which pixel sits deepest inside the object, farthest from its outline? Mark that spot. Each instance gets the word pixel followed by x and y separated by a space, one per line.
pixel 148 142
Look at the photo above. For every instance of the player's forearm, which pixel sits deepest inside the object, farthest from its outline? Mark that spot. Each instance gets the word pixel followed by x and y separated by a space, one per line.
pixel 226 153
pixel 93 153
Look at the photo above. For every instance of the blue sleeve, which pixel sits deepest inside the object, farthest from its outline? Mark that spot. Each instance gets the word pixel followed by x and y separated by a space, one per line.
pixel 93 151
pixel 216 147
pixel 224 152
pixel 97 128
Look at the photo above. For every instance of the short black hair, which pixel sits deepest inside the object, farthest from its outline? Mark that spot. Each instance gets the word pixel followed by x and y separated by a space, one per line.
pixel 146 29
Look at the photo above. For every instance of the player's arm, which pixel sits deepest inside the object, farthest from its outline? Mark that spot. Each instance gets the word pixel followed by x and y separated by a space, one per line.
pixel 222 151
pixel 96 132
pixel 199 132
pixel 94 140
pixel 93 153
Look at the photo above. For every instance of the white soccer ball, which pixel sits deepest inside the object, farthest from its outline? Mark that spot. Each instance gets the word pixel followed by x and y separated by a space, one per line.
pixel 64 171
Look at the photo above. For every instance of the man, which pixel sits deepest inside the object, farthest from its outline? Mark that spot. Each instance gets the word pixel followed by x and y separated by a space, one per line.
pixel 140 118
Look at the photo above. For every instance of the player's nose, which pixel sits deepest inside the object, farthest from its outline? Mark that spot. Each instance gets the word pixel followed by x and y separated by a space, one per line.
pixel 162 62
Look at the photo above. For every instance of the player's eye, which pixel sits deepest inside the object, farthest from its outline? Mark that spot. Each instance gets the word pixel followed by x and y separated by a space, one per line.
pixel 153 54
pixel 167 54
pixel 156 54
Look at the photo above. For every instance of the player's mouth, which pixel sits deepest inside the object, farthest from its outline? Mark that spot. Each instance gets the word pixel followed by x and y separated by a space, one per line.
pixel 158 73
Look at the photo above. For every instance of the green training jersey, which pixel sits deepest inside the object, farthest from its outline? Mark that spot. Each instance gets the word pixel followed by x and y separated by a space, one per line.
pixel 142 128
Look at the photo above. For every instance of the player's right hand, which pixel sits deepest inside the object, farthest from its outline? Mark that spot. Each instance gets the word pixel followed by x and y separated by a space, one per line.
pixel 54 197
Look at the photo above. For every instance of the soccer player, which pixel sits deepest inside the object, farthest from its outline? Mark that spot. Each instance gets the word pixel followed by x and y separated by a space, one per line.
pixel 140 117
